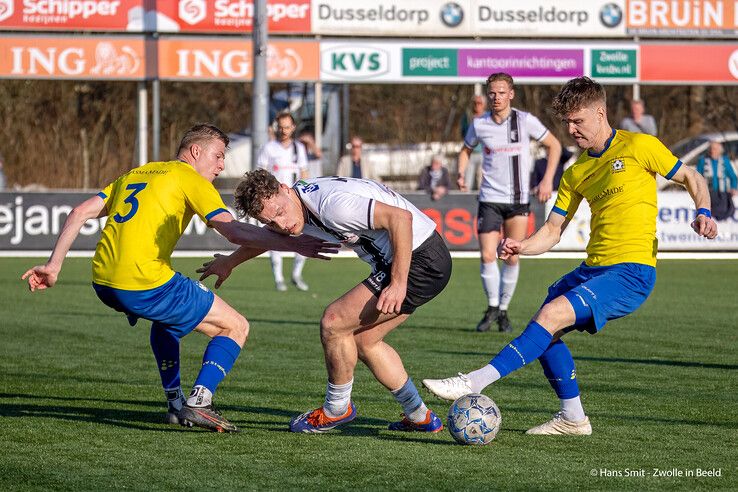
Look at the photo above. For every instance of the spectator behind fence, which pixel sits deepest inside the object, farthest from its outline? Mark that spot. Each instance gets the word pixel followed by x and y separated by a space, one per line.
pixel 434 179
pixel 639 121
pixel 354 165
pixel 721 180
pixel 477 110
pixel 314 154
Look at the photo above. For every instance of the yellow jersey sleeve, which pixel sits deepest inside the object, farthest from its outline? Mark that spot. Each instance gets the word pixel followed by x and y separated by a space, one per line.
pixel 567 199
pixel 654 156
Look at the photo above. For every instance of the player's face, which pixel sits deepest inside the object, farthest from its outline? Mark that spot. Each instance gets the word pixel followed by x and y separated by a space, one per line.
pixel 283 212
pixel 210 159
pixel 586 126
pixel 499 95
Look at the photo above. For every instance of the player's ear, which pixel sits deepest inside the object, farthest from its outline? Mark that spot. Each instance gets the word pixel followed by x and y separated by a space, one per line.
pixel 195 150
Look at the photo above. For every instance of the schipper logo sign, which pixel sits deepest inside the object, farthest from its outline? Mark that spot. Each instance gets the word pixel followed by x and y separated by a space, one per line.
pixel 192 11
pixel 6 9
pixel 355 62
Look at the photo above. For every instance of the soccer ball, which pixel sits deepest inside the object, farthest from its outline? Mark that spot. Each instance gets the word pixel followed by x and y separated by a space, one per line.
pixel 474 419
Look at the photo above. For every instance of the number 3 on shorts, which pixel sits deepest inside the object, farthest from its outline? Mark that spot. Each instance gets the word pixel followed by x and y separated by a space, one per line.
pixel 136 187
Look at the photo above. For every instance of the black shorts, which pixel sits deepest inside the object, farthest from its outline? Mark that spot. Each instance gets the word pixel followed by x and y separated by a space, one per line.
pixel 490 216
pixel 430 271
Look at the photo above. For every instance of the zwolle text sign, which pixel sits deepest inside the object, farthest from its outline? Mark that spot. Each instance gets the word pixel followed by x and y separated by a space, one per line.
pixel 67 57
pixel 231 59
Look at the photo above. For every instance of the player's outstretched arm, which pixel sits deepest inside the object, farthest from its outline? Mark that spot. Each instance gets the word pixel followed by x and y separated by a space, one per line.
pixel 399 224
pixel 697 188
pixel 44 276
pixel 541 241
pixel 255 237
pixel 222 265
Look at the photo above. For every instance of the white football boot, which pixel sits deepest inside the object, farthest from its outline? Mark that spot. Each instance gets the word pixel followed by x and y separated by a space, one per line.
pixel 559 426
pixel 449 389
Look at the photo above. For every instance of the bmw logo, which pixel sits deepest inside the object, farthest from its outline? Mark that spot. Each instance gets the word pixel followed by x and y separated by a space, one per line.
pixel 611 15
pixel 452 14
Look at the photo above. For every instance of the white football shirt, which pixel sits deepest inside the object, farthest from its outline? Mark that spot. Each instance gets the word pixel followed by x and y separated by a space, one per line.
pixel 342 209
pixel 507 162
pixel 285 163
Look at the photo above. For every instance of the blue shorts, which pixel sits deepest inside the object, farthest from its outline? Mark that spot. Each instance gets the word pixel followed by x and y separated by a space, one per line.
pixel 599 294
pixel 179 305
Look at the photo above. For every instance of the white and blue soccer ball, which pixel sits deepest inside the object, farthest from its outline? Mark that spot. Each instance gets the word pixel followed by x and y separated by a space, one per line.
pixel 474 419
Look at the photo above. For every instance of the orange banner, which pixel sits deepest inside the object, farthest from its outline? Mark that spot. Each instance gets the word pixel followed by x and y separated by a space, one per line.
pixel 68 57
pixel 231 59
pixel 708 18
pixel 708 63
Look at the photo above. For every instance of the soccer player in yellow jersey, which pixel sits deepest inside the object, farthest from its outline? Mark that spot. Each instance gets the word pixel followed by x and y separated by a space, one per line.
pixel 148 209
pixel 616 175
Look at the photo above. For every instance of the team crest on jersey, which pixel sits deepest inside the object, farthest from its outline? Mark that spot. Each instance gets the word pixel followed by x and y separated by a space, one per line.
pixel 617 166
pixel 513 135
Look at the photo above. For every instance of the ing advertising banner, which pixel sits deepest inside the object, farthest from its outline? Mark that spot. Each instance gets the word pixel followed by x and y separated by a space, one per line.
pixel 230 59
pixel 73 57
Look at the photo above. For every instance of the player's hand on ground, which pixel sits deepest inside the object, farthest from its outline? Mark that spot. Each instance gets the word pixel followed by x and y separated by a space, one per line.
pixel 507 248
pixel 40 277
pixel 218 266
pixel 391 297
pixel 705 226
pixel 314 247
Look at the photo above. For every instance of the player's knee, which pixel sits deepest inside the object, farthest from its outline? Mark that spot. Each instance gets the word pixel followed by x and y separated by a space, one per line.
pixel 240 331
pixel 488 256
pixel 330 325
pixel 552 318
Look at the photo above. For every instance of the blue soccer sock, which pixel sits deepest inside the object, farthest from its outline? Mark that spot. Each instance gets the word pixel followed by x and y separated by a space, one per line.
pixel 220 355
pixel 165 346
pixel 523 350
pixel 558 366
pixel 412 403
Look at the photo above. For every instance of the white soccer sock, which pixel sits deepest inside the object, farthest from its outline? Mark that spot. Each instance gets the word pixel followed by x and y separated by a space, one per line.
pixel 483 377
pixel 491 282
pixel 200 397
pixel 297 266
pixel 276 258
pixel 572 410
pixel 337 398
pixel 175 397
pixel 508 282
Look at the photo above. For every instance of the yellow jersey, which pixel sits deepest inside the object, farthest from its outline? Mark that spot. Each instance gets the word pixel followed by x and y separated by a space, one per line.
pixel 148 210
pixel 620 186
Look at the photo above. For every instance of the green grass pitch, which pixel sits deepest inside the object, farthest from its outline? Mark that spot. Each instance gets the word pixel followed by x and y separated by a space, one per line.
pixel 81 405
